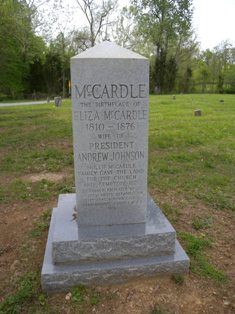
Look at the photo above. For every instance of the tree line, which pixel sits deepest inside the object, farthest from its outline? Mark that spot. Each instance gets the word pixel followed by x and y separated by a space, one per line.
pixel 33 66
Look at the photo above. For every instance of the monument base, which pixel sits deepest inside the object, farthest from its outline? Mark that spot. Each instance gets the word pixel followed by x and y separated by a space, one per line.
pixel 108 254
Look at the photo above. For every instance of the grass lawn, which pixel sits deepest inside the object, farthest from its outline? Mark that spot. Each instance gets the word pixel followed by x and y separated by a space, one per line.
pixel 191 175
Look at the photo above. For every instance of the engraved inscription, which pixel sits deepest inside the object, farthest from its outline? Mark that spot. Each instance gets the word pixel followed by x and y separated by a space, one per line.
pixel 117 180
pixel 98 91
pixel 110 124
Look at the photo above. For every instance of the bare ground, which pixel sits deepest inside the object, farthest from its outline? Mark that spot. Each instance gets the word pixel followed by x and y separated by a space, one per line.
pixel 197 294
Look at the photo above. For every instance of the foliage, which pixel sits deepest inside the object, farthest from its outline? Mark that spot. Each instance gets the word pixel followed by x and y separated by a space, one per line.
pixel 81 40
pixel 60 51
pixel 166 24
pixel 27 65
pixel 215 70
pixel 161 30
pixel 19 46
pixel 36 67
pixel 127 34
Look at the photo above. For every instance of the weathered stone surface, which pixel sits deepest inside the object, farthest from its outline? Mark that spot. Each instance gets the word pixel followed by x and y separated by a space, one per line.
pixel 58 101
pixel 55 278
pixel 198 113
pixel 62 278
pixel 110 90
pixel 119 233
pixel 155 237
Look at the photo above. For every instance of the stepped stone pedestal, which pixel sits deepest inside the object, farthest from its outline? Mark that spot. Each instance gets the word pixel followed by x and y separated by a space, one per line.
pixel 110 230
pixel 110 254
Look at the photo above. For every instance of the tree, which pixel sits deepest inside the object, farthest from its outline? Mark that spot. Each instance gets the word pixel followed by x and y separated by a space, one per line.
pixel 224 57
pixel 126 33
pixel 185 57
pixel 215 69
pixel 52 71
pixel 167 25
pixel 80 40
pixel 62 45
pixel 18 46
pixel 97 16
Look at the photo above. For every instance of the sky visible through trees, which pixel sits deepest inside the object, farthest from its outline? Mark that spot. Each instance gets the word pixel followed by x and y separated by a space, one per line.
pixel 213 20
pixel 38 38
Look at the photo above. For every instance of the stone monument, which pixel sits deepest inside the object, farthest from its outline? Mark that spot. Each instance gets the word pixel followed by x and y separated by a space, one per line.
pixel 110 230
pixel 58 101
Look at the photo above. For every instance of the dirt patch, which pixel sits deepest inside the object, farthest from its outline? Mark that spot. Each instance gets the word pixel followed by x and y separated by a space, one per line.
pixel 220 232
pixel 58 143
pixel 141 297
pixel 49 176
pixel 16 221
pixel 156 295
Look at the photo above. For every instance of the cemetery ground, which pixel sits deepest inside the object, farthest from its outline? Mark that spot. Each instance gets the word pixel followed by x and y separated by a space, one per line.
pixel 191 176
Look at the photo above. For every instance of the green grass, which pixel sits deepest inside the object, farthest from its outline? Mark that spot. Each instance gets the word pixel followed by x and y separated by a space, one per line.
pixel 26 292
pixel 19 100
pixel 42 225
pixel 78 295
pixel 194 156
pixel 195 245
pixel 28 298
pixel 171 212
pixel 199 223
pixel 36 160
pixel 190 157
pixel 35 139
pixel 195 248
pixel 20 190
pixel 38 125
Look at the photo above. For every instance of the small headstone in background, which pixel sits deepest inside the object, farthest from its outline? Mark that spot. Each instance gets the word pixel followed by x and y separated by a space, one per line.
pixel 48 100
pixel 155 90
pixel 34 95
pixel 198 113
pixel 173 97
pixel 58 101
